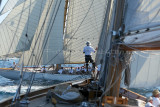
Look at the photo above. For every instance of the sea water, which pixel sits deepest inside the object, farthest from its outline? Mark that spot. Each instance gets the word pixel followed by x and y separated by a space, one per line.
pixel 8 87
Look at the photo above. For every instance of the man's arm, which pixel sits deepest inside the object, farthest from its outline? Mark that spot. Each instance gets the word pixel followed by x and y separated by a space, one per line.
pixel 93 50
pixel 84 50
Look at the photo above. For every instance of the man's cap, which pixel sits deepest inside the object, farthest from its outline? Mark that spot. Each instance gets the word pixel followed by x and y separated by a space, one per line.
pixel 88 43
pixel 149 98
pixel 155 92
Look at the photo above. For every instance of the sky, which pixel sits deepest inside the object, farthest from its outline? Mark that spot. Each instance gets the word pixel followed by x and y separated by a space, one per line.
pixel 2 16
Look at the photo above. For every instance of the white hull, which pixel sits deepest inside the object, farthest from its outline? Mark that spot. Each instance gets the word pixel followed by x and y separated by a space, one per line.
pixel 15 75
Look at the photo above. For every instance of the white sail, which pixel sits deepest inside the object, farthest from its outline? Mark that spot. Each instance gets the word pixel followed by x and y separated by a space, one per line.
pixel 10 5
pixel 47 44
pixel 22 20
pixel 84 23
pixel 142 14
pixel 146 40
pixel 145 69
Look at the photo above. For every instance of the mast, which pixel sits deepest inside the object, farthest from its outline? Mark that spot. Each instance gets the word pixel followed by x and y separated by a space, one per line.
pixel 115 66
pixel 65 14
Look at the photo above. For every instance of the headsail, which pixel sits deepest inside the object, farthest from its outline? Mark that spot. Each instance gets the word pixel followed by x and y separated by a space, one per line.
pixel 84 23
pixel 18 28
pixel 47 44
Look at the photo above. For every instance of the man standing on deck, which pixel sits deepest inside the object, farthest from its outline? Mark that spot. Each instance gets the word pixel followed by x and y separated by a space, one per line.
pixel 156 100
pixel 43 70
pixel 87 50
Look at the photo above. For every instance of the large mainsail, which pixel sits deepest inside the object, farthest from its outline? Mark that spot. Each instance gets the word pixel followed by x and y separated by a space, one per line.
pixel 84 23
pixel 18 28
pixel 47 44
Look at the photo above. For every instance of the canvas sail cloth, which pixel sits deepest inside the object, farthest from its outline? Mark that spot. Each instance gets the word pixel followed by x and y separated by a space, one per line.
pixel 145 70
pixel 105 40
pixel 84 23
pixel 22 20
pixel 143 14
pixel 48 40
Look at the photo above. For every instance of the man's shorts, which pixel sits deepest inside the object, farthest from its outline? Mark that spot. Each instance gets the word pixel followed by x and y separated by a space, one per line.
pixel 88 58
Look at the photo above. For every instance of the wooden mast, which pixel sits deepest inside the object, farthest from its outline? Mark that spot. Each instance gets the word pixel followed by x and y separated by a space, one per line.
pixel 58 66
pixel 116 70
pixel 65 13
pixel 114 67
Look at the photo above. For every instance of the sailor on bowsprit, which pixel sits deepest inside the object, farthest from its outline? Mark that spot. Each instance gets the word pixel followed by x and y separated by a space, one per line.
pixel 87 50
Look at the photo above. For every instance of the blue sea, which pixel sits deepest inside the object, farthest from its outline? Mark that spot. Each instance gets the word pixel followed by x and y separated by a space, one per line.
pixel 8 87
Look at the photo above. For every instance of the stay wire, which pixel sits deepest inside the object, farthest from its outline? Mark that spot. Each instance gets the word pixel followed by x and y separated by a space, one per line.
pixel 41 29
pixel 33 73
pixel 49 30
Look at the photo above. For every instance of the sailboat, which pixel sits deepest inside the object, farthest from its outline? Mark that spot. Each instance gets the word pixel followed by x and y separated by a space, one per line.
pixel 117 27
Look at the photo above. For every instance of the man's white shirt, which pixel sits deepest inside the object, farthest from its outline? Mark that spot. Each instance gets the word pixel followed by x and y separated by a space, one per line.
pixel 149 105
pixel 78 70
pixel 60 71
pixel 156 102
pixel 43 69
pixel 88 50
pixel 71 71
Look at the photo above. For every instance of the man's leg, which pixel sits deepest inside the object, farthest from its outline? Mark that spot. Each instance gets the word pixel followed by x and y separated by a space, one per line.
pixel 87 60
pixel 93 67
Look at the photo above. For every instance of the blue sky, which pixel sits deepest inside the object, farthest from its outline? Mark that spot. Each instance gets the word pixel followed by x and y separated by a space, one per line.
pixel 3 16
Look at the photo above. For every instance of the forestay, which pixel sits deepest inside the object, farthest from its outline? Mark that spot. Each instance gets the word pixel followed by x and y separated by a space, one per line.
pixel 22 20
pixel 47 44
pixel 84 23
pixel 142 14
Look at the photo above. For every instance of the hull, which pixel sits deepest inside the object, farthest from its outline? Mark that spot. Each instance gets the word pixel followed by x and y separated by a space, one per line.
pixel 15 75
